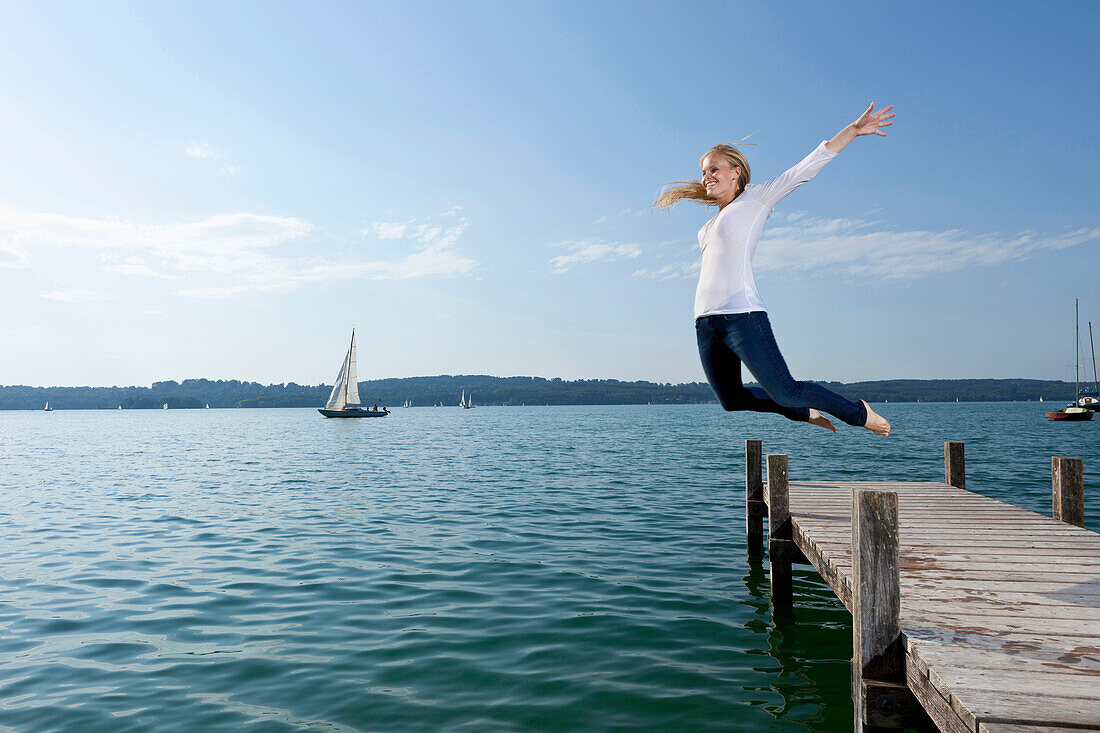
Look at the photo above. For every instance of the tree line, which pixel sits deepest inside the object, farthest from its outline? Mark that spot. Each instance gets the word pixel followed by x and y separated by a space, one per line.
pixel 488 390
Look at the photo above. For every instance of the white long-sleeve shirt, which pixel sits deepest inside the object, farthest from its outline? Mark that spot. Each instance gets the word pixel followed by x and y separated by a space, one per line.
pixel 728 240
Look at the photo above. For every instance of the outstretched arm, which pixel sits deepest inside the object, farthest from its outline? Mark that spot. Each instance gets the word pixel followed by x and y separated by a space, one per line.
pixel 868 124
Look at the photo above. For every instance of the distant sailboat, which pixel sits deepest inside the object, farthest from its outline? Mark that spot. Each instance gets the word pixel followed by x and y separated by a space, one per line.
pixel 120 407
pixel 344 400
pixel 207 405
pixel 164 406
pixel 47 408
pixel 1085 398
pixel 466 404
pixel 1073 412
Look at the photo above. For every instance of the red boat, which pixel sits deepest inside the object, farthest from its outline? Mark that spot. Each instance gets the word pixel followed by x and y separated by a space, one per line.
pixel 1071 412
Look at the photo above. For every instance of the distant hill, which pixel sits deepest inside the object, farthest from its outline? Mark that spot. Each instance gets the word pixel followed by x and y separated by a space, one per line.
pixel 486 390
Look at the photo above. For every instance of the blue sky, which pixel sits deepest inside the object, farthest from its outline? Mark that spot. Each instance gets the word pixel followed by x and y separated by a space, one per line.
pixel 224 190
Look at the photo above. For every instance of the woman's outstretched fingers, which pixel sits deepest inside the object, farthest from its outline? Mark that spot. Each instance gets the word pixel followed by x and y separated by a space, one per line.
pixel 876 423
pixel 870 122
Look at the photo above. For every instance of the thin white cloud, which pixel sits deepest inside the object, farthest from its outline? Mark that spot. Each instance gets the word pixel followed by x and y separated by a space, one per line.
pixel 200 149
pixel 72 296
pixel 585 251
pixel 433 243
pixel 231 170
pixel 863 247
pixel 129 268
pixel 387 230
pixel 803 244
pixel 674 271
pixel 230 254
pixel 12 256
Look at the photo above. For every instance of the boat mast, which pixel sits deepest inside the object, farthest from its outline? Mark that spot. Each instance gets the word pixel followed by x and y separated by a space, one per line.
pixel 1095 384
pixel 347 363
pixel 1077 348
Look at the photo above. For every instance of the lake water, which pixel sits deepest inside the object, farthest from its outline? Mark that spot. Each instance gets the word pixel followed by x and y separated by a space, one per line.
pixel 497 569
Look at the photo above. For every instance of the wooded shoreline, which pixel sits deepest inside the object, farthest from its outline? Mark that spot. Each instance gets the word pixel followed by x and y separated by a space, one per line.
pixel 511 391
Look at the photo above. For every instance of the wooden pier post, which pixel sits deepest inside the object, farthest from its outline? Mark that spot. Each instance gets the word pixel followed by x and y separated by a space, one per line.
pixel 1068 480
pixel 780 543
pixel 755 510
pixel 954 465
pixel 881 698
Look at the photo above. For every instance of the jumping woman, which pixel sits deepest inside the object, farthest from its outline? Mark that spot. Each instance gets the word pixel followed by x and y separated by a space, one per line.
pixel 731 324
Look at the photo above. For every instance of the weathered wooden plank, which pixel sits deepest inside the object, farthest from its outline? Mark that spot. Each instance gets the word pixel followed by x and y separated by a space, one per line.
pixel 976 706
pixel 1055 561
pixel 1023 728
pixel 938 517
pixel 1082 687
pixel 938 708
pixel 1046 534
pixel 836 580
pixel 755 510
pixel 966 619
pixel 954 464
pixel 1081 581
pixel 1009 657
pixel 1068 481
pixel 878 650
pixel 780 532
pixel 1018 641
pixel 980 545
pixel 1041 605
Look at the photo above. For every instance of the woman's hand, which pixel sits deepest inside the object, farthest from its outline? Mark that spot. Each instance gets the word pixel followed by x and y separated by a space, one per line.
pixel 870 121
pixel 868 124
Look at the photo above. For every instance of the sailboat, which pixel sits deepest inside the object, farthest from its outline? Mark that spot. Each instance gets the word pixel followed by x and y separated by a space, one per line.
pixel 47 408
pixel 466 404
pixel 344 400
pixel 1086 399
pixel 164 406
pixel 1073 411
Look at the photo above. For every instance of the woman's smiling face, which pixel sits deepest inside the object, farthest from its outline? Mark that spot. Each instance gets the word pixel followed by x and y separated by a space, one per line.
pixel 719 179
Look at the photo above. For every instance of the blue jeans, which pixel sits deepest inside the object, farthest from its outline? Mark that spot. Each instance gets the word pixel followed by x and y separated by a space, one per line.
pixel 725 341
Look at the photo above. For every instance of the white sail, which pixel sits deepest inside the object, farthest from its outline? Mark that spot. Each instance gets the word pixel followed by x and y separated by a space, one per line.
pixel 352 394
pixel 336 398
pixel 346 391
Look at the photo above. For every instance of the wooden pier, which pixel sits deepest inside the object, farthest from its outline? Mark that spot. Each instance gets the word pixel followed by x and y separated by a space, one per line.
pixel 968 614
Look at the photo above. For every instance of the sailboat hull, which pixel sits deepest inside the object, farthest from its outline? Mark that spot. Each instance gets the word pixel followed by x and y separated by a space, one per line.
pixel 1071 416
pixel 353 413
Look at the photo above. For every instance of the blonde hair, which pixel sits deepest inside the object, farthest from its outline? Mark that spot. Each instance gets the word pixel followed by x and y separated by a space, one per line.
pixel 678 191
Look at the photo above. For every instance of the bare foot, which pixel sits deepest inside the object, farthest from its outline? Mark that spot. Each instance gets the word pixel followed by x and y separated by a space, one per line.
pixel 816 418
pixel 876 423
